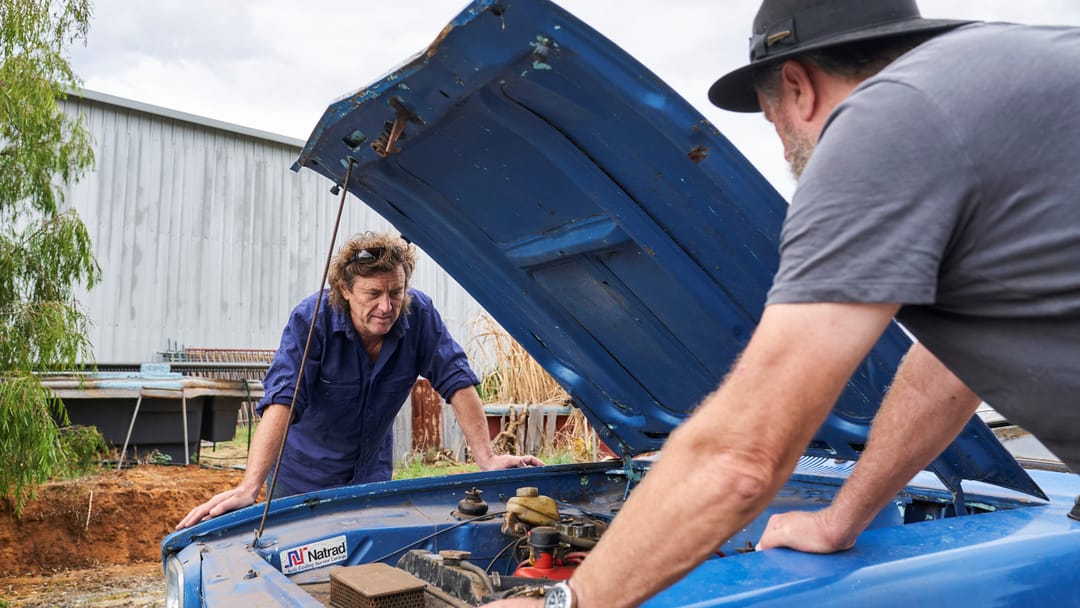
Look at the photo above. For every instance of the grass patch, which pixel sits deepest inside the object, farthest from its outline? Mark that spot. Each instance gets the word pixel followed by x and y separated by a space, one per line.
pixel 431 463
pixel 552 456
pixel 240 438
pixel 228 453
pixel 435 464
pixel 414 470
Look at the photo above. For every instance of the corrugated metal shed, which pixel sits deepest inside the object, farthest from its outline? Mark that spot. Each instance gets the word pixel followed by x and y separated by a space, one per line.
pixel 205 236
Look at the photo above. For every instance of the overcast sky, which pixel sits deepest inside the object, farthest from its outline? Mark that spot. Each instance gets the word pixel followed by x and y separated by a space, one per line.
pixel 276 64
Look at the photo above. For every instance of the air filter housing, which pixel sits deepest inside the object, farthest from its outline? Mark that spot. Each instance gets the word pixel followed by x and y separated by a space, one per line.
pixel 375 586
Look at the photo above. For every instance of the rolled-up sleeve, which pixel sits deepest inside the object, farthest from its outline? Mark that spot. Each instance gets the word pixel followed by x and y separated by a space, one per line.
pixel 279 385
pixel 442 360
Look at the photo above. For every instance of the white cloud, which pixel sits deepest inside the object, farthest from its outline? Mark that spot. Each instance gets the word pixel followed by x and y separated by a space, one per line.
pixel 276 64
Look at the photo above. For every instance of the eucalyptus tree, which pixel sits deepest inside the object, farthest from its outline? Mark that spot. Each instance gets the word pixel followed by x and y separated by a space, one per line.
pixel 45 250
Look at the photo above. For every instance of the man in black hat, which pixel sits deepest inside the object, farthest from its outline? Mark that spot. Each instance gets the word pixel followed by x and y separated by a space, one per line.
pixel 937 183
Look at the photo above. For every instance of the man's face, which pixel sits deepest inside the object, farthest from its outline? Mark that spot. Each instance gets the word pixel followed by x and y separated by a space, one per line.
pixel 798 143
pixel 375 302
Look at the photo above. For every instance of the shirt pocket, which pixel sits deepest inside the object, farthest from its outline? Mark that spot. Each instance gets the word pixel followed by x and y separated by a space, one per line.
pixel 335 413
pixel 335 390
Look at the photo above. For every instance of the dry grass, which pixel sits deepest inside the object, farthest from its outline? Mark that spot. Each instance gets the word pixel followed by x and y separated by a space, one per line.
pixel 577 439
pixel 511 375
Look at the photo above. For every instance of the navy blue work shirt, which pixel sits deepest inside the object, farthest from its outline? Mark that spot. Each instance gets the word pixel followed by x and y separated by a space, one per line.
pixel 342 429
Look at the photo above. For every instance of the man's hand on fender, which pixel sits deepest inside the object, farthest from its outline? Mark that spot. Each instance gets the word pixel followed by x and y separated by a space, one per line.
pixel 229 500
pixel 806 531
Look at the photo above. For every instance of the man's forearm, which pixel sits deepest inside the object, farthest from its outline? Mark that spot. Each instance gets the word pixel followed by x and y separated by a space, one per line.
pixel 264 450
pixel 722 467
pixel 923 412
pixel 469 413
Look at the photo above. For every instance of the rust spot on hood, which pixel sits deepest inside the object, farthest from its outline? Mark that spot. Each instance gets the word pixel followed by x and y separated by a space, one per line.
pixel 698 154
pixel 435 44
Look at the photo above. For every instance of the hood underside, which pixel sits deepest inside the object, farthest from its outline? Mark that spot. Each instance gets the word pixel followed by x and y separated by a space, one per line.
pixel 610 228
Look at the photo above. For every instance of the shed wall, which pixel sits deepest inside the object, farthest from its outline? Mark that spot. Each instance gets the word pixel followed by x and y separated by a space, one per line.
pixel 205 236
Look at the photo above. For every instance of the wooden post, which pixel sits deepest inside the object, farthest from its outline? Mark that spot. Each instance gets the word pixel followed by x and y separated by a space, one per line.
pixel 534 436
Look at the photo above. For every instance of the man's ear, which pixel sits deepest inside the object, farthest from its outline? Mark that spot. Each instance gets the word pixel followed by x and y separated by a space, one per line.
pixel 798 90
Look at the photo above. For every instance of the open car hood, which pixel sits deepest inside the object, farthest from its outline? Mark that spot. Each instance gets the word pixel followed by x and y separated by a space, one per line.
pixel 610 228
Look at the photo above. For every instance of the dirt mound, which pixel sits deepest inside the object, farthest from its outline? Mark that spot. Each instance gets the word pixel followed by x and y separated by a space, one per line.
pixel 114 518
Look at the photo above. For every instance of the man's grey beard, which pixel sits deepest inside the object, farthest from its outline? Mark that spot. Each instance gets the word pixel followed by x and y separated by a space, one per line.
pixel 799 152
pixel 799 147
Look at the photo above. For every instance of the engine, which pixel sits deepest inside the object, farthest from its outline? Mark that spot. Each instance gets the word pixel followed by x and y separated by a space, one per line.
pixel 544 547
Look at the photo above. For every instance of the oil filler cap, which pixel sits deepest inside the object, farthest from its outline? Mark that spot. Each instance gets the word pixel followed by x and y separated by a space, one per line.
pixel 1075 513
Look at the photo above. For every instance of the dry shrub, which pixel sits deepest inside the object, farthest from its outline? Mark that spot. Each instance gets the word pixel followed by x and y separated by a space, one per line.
pixel 577 438
pixel 510 375
pixel 506 442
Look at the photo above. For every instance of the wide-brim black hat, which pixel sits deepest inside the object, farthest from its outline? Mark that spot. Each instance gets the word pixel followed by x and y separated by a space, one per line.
pixel 785 28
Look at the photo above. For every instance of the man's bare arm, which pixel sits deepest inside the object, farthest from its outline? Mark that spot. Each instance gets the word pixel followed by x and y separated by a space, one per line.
pixel 725 464
pixel 264 450
pixel 925 409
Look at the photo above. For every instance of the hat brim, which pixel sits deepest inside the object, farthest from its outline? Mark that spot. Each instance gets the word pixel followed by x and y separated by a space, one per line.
pixel 735 90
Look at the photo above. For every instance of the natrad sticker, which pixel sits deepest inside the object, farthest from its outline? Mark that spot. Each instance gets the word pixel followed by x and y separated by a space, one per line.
pixel 314 555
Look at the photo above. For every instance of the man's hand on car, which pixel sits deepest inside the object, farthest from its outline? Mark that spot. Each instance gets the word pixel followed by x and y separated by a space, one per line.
pixel 223 502
pixel 806 531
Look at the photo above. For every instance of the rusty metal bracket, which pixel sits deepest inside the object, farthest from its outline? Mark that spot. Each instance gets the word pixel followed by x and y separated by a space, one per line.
pixel 384 145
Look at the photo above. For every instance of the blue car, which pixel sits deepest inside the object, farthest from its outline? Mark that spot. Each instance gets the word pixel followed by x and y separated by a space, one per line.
pixel 626 244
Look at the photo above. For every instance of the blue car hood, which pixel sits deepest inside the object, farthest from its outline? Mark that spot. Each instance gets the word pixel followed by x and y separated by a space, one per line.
pixel 610 228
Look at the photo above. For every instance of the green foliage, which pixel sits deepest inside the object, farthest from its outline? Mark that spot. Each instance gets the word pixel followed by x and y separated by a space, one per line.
pixel 491 386
pixel 434 463
pixel 553 456
pixel 84 447
pixel 41 325
pixel 30 447
pixel 415 468
pixel 45 251
pixel 160 458
pixel 40 143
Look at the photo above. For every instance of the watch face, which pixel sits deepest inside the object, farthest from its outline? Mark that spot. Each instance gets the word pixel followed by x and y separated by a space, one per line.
pixel 557 596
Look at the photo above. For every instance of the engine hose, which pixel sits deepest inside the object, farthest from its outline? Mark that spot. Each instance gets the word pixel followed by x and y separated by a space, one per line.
pixel 471 567
pixel 577 541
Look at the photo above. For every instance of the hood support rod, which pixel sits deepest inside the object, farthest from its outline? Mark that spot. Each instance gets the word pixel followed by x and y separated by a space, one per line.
pixel 303 358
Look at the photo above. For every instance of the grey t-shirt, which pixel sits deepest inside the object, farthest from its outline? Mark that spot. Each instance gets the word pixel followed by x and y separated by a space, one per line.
pixel 950 183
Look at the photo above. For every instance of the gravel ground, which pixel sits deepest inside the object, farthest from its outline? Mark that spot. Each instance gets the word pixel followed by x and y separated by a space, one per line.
pixel 131 586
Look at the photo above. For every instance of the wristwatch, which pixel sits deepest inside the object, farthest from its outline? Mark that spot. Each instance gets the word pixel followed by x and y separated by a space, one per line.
pixel 559 595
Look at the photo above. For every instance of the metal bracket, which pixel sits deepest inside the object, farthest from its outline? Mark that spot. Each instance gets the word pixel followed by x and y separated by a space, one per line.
pixel 384 145
pixel 959 504
pixel 632 476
